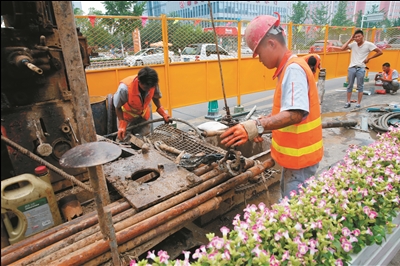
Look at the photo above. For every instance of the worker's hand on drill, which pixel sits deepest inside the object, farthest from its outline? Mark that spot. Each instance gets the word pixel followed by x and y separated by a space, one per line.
pixel 122 129
pixel 164 114
pixel 239 134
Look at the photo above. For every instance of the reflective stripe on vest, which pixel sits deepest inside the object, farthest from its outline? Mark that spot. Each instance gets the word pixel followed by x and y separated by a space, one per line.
pixel 298 146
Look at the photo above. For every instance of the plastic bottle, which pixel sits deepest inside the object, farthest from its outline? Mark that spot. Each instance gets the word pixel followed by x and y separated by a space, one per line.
pixel 43 173
pixel 28 206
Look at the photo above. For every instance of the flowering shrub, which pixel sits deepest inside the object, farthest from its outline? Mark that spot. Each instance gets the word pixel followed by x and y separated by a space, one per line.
pixel 345 209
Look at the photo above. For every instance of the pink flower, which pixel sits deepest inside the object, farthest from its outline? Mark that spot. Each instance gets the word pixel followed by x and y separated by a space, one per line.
pixel 273 261
pixel 226 255
pixel 187 255
pixel 258 251
pixel 303 248
pixel 285 255
pixel 217 242
pixel 356 232
pixel 369 231
pixel 224 230
pixel 339 262
pixel 322 203
pixel 292 193
pixel 163 255
pixel 133 263
pixel 346 245
pixel 277 236
pixel 366 210
pixel 151 255
pixel 329 236
pixel 372 215
pixel 345 231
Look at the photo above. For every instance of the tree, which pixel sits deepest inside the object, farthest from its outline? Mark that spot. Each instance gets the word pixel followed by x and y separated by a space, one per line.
pixel 340 19
pixel 359 18
pixel 93 11
pixel 124 8
pixel 320 15
pixel 396 22
pixel 78 11
pixel 300 13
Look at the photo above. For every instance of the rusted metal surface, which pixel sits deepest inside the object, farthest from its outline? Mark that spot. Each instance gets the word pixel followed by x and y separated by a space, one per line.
pixel 90 154
pixel 171 179
pixel 70 207
pixel 168 219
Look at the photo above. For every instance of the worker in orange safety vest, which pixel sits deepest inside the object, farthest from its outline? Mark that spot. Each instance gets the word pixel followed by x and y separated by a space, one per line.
pixel 313 61
pixel 132 101
pixel 295 119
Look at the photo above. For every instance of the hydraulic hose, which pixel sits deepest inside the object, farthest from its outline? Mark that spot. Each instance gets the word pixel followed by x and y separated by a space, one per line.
pixel 381 122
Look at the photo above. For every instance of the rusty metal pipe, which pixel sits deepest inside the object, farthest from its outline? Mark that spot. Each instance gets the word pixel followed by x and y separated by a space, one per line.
pixel 204 169
pixel 39 241
pixel 173 225
pixel 95 249
pixel 51 250
pixel 152 211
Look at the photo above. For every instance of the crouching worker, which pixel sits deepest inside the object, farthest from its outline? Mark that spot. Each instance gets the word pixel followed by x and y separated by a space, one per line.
pixel 313 61
pixel 389 78
pixel 132 101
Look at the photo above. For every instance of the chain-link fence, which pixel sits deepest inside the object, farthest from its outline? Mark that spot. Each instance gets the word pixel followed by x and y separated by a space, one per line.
pixel 124 41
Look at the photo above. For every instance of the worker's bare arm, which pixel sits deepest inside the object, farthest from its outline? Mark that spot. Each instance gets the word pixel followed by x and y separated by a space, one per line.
pixel 282 119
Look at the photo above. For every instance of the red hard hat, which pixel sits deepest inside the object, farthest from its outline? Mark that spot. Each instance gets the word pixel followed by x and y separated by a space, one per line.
pixel 257 29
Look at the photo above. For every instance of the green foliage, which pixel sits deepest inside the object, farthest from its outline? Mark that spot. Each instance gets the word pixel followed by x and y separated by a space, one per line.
pixel 93 11
pixel 359 18
pixel 188 34
pixel 340 19
pixel 124 8
pixel 300 13
pixel 78 11
pixel 320 15
pixel 396 22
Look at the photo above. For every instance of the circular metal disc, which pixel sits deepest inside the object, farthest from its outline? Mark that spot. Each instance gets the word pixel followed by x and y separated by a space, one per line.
pixel 90 154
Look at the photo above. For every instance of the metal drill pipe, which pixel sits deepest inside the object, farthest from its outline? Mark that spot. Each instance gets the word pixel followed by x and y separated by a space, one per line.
pixel 99 247
pixel 152 211
pixel 173 225
pixel 47 164
pixel 39 241
pixel 52 247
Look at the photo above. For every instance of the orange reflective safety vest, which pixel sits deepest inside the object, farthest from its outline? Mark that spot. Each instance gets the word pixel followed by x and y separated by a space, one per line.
pixel 317 57
pixel 298 146
pixel 388 75
pixel 135 108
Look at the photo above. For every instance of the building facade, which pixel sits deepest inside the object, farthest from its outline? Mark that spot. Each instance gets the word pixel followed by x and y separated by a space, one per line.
pixel 229 10
pixel 392 8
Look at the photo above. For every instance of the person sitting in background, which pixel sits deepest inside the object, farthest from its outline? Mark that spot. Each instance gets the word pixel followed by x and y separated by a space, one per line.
pixel 389 79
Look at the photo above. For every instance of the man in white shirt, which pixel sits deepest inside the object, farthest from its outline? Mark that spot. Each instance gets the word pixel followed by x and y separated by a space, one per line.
pixel 360 50
pixel 389 78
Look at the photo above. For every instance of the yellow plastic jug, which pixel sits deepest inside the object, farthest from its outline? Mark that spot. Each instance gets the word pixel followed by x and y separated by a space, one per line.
pixel 28 206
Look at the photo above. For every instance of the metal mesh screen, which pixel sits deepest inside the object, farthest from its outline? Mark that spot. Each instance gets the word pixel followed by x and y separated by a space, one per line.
pixel 182 141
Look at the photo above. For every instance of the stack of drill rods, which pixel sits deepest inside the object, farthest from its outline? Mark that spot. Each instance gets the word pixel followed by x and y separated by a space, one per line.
pixel 143 230
pixel 41 240
pixel 34 247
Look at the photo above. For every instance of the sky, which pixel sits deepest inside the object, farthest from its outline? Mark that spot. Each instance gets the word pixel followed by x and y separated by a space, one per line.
pixel 88 4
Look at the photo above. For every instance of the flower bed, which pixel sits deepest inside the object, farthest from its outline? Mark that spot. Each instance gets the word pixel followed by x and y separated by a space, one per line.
pixel 340 213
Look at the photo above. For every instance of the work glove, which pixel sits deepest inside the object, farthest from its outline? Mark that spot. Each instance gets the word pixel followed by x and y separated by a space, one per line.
pixel 239 134
pixel 122 129
pixel 164 115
